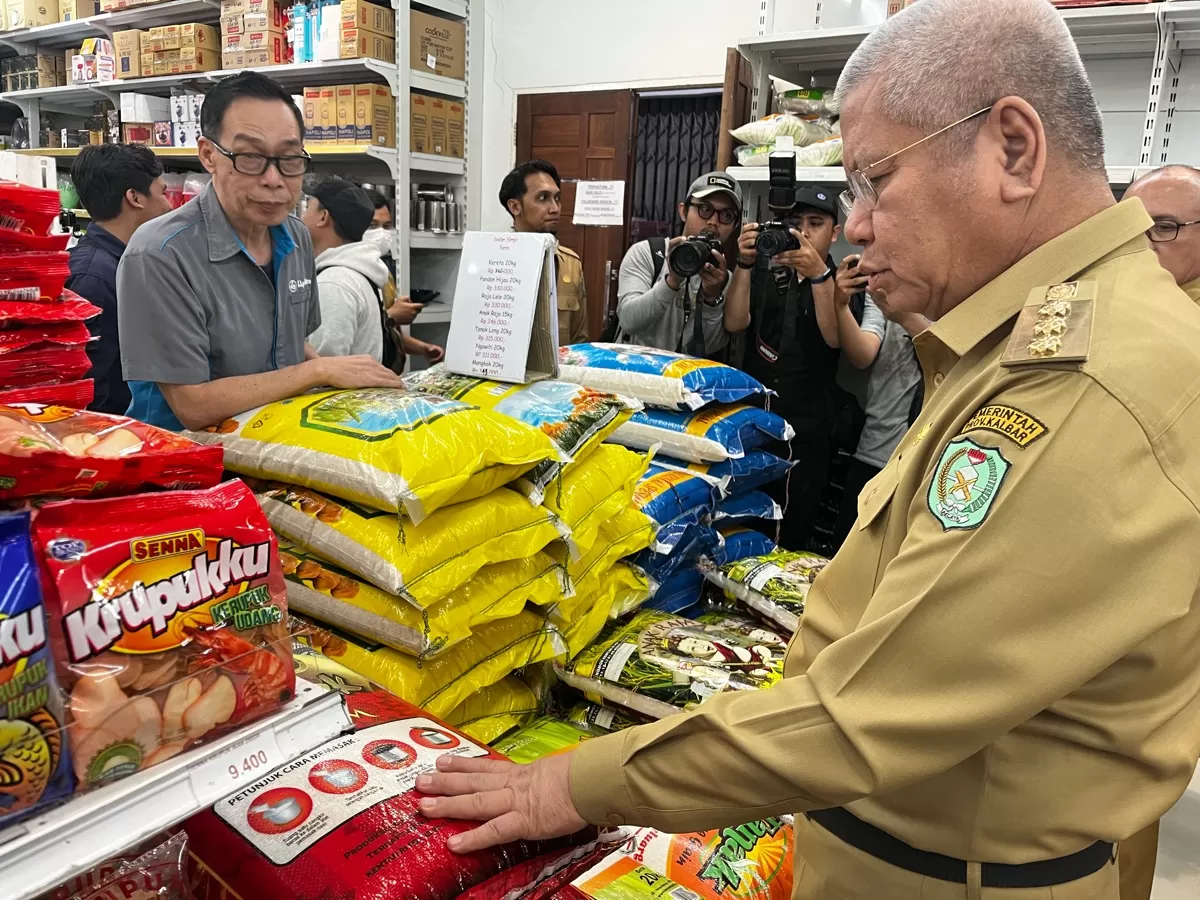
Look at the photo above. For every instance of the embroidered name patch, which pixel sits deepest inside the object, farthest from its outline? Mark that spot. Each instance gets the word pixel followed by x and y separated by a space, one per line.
pixel 1019 427
pixel 965 484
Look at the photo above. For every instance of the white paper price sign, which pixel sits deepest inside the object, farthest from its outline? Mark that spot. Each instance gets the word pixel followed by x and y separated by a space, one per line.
pixel 600 203
pixel 246 761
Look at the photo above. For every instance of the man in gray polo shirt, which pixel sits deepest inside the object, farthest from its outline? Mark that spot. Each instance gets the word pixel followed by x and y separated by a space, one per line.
pixel 215 300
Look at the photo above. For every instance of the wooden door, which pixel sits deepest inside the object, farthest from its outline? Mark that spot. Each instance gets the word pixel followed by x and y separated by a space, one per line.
pixel 588 136
pixel 735 103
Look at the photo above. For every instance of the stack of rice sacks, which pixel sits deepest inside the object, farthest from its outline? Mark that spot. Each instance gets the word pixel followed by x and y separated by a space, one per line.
pixel 43 338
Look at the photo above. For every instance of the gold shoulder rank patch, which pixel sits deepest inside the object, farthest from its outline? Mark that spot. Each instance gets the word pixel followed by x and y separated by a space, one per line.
pixel 1018 426
pixel 1055 325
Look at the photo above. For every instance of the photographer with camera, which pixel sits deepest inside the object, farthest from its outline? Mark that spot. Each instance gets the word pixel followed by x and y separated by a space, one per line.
pixel 671 294
pixel 787 293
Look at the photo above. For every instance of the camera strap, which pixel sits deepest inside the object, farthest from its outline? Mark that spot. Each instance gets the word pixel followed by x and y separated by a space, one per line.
pixel 691 314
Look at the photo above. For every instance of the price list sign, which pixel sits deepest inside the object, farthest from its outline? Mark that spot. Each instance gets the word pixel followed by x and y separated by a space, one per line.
pixel 496 304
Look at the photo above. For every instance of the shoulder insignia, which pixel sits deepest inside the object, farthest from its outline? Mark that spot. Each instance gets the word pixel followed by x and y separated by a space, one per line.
pixel 965 483
pixel 1054 325
pixel 1017 425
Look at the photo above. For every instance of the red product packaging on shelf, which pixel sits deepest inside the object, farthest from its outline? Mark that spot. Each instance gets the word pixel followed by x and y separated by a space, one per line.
pixel 69 307
pixel 62 451
pixel 72 394
pixel 343 820
pixel 51 365
pixel 22 240
pixel 55 334
pixel 28 209
pixel 168 620
pixel 33 276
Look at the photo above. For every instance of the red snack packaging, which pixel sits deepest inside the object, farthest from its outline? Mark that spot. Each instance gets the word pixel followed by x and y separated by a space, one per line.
pixel 23 240
pixel 31 277
pixel 62 451
pixel 73 394
pixel 52 365
pixel 69 307
pixel 157 873
pixel 168 621
pixel 343 821
pixel 55 334
pixel 28 209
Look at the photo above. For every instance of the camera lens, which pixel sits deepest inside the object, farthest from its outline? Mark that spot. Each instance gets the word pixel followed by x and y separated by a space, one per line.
pixel 689 257
pixel 769 243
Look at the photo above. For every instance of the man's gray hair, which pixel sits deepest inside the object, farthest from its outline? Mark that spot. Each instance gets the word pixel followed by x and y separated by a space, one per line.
pixel 940 60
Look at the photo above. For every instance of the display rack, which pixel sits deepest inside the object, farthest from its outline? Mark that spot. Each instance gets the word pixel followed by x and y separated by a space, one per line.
pixel 1135 56
pixel 73 838
pixel 429 260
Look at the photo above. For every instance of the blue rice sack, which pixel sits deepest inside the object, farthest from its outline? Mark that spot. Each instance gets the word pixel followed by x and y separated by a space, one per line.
pixel 679 594
pixel 673 500
pixel 741 543
pixel 746 507
pixel 709 436
pixel 656 377
pixel 692 542
pixel 755 469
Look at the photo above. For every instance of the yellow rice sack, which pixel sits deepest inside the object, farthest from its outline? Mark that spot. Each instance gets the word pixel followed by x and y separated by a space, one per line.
pixel 596 489
pixel 627 533
pixel 322 590
pixel 421 563
pixel 493 711
pixel 381 447
pixel 576 418
pixel 623 585
pixel 442 683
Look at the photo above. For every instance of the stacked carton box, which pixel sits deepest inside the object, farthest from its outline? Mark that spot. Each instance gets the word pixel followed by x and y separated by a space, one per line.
pixel 178 49
pixel 253 34
pixel 349 114
pixel 368 30
pixel 39 70
pixel 73 10
pixel 128 47
pixel 438 46
pixel 436 125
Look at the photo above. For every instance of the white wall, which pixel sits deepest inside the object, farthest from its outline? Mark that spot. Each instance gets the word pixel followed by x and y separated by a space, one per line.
pixel 534 46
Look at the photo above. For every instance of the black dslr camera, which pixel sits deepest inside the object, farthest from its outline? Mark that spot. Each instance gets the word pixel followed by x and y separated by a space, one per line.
pixel 690 256
pixel 776 236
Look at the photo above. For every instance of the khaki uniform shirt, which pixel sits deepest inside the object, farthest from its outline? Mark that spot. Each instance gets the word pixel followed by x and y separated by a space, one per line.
pixel 572 298
pixel 1192 289
pixel 1002 663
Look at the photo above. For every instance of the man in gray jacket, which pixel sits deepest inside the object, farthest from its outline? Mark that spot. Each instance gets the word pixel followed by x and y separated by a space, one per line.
pixel 655 307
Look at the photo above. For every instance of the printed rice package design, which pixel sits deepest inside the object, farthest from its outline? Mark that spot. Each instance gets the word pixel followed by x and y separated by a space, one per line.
pixel 775 585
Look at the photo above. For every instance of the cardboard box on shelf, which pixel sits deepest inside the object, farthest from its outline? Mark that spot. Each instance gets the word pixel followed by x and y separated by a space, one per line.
pixel 374 115
pixel 255 59
pixel 456 123
pixel 136 133
pixel 28 13
pixel 128 47
pixel 437 45
pixel 231 25
pixel 274 8
pixel 326 120
pixel 136 107
pixel 272 20
pixel 193 35
pixel 418 123
pixel 367 16
pixel 438 126
pixel 358 44
pixel 194 59
pixel 68 61
pixel 187 134
pixel 345 113
pixel 255 40
pixel 73 10
pixel 312 96
pixel 163 136
pixel 94 62
pixel 147 64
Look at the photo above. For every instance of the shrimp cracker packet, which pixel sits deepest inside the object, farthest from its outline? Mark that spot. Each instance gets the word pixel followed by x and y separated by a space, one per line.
pixel 34 768
pixel 576 418
pixel 774 585
pixel 656 663
pixel 385 448
pixel 63 451
pixel 655 377
pixel 168 620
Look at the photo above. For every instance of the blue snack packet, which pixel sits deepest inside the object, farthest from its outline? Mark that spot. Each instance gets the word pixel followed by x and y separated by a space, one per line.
pixel 34 765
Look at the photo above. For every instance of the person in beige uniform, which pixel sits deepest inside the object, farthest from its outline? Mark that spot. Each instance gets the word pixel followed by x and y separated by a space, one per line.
pixel 997 678
pixel 1172 197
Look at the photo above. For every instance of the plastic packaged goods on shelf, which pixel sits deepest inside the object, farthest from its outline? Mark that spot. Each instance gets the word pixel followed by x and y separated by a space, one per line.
pixel 622 586
pixel 740 542
pixel 754 470
pixel 595 490
pixel 43 449
pixel 40 337
pixel 577 419
pixel 545 736
pixel 421 563
pixel 710 435
pixel 623 535
pixel 69 307
pixel 156 872
pixel 775 585
pixel 658 378
pixel 381 447
pixel 673 499
pixel 657 664
pixel 71 394
pixel 167 617
pixel 746 506
pixel 25 368
pixel 343 820
pixel 495 710
pixel 693 540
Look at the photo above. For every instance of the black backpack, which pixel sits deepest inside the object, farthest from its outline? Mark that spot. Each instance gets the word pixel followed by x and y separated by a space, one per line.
pixel 612 326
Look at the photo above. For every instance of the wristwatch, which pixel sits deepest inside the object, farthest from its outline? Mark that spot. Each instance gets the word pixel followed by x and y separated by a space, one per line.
pixel 828 273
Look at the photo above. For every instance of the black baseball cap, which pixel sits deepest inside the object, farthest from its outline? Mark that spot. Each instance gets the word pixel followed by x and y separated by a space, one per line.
pixel 348 205
pixel 818 196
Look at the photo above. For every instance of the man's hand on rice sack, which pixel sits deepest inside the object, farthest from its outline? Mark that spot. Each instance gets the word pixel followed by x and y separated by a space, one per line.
pixel 351 372
pixel 514 802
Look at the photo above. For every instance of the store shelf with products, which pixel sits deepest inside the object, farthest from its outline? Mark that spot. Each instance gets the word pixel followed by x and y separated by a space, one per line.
pixel 70 34
pixel 426 240
pixel 436 84
pixel 44 851
pixel 456 8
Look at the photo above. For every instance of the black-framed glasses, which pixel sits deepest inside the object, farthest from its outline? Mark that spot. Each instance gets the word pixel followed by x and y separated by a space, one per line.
pixel 256 163
pixel 862 191
pixel 706 211
pixel 1164 231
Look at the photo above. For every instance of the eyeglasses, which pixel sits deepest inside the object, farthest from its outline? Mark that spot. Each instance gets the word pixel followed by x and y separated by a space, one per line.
pixel 1164 231
pixel 862 191
pixel 706 211
pixel 257 163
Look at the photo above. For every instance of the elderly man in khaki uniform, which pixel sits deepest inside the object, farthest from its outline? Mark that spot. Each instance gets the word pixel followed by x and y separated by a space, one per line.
pixel 1171 196
pixel 997 678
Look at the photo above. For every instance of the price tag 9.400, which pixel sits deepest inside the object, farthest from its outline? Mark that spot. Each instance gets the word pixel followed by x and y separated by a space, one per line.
pixel 241 764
